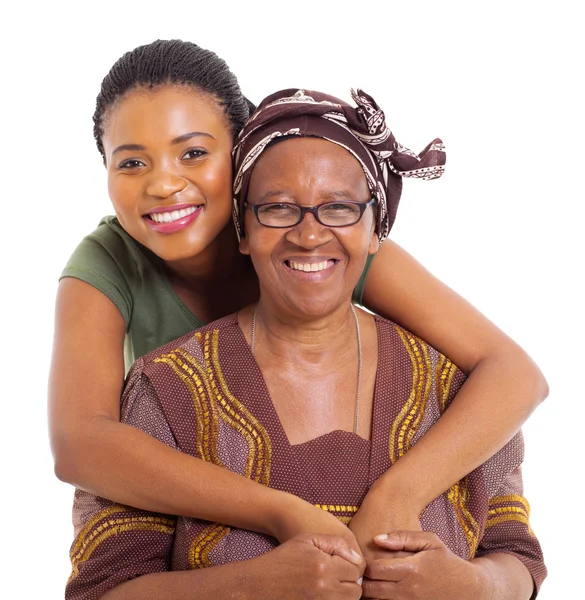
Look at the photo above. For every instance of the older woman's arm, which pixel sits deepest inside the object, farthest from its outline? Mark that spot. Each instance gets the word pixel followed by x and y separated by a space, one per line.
pixel 122 552
pixel 502 389
pixel 307 566
pixel 436 572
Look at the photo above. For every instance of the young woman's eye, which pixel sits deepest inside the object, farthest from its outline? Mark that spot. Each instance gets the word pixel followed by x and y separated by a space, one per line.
pixel 194 153
pixel 131 163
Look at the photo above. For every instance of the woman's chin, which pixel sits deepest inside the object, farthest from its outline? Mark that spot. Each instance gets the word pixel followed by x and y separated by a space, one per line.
pixel 317 307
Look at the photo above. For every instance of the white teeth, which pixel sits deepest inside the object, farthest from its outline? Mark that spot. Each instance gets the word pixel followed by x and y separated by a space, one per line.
pixel 175 215
pixel 308 267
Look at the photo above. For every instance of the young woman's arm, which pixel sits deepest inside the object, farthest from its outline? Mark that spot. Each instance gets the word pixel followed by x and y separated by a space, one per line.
pixel 95 452
pixel 503 386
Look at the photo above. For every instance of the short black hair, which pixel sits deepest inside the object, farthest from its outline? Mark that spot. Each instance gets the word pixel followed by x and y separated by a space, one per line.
pixel 165 62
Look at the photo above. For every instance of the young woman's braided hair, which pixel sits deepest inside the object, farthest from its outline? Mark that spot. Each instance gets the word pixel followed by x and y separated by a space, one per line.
pixel 172 62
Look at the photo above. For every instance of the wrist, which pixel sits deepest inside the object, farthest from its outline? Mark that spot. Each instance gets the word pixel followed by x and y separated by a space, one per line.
pixel 282 513
pixel 483 586
pixel 400 495
pixel 239 580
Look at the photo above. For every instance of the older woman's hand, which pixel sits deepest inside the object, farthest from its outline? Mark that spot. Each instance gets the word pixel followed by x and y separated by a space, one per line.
pixel 311 566
pixel 431 571
pixel 379 514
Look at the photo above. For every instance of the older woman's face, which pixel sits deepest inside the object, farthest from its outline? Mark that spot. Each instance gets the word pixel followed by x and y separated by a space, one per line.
pixel 309 269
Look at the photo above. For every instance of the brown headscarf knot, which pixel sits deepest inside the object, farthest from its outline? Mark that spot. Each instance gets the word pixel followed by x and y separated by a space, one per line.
pixel 361 130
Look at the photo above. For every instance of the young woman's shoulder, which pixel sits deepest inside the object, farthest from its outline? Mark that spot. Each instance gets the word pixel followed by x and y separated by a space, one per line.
pixel 110 260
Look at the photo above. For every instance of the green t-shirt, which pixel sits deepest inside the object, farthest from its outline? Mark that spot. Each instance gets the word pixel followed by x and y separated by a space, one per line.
pixel 134 279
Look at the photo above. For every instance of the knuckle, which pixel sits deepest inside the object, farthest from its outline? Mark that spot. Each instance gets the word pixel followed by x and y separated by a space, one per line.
pixel 319 588
pixel 372 589
pixel 320 568
pixel 373 569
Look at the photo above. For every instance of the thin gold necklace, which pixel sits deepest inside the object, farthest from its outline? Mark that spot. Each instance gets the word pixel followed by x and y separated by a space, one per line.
pixel 359 345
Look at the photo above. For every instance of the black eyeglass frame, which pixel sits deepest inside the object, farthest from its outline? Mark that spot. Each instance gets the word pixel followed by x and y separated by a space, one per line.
pixel 309 209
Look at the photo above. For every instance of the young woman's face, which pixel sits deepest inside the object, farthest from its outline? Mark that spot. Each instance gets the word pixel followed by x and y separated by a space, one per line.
pixel 168 156
pixel 309 269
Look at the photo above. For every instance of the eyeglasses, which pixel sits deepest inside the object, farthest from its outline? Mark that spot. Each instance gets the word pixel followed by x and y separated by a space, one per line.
pixel 329 214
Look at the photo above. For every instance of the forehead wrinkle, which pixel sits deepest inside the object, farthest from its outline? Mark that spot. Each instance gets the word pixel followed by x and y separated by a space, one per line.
pixel 296 166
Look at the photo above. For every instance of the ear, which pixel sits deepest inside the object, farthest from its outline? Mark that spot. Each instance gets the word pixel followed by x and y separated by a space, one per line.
pixel 374 243
pixel 244 245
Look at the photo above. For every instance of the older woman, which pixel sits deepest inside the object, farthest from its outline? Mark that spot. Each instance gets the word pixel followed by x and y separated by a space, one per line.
pixel 309 395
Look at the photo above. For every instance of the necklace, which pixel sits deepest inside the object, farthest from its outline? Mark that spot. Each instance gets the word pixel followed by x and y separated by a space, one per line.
pixel 359 345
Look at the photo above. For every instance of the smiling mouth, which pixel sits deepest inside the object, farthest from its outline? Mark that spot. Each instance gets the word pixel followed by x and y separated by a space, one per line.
pixel 310 267
pixel 173 215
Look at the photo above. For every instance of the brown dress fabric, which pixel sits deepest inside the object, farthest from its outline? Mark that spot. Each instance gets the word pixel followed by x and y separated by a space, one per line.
pixel 204 395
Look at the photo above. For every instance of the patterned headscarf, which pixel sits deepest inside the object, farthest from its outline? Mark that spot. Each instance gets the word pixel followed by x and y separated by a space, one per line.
pixel 362 131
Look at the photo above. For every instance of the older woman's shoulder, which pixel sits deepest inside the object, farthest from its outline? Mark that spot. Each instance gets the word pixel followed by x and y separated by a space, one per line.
pixel 192 342
pixel 398 341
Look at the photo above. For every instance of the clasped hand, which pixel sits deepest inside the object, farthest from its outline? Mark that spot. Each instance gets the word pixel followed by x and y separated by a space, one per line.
pixel 402 561
pixel 385 544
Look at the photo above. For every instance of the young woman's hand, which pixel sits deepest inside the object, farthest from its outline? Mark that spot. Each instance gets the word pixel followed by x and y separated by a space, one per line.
pixel 312 566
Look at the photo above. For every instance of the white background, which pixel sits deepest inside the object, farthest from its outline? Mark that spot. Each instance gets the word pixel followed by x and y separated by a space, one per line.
pixel 498 81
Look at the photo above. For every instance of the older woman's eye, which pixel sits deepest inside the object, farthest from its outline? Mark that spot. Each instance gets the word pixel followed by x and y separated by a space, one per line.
pixel 339 208
pixel 131 163
pixel 194 153
pixel 277 209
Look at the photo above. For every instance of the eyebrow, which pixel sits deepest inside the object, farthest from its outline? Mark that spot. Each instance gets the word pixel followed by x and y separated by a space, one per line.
pixel 177 140
pixel 128 147
pixel 329 196
pixel 191 134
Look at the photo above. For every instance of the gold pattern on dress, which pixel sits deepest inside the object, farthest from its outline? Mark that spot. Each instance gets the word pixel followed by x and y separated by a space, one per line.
pixel 203 543
pixel 444 372
pixel 336 509
pixel 194 377
pixel 212 400
pixel 92 534
pixel 235 414
pixel 508 510
pixel 407 423
pixel 458 496
pixel 88 527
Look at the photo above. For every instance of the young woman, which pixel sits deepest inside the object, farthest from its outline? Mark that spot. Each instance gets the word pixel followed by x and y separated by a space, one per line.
pixel 165 122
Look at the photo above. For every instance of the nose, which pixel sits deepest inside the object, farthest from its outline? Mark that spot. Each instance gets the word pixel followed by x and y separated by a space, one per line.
pixel 309 233
pixel 164 181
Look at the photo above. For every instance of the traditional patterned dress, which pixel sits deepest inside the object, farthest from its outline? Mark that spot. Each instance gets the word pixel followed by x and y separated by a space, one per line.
pixel 205 395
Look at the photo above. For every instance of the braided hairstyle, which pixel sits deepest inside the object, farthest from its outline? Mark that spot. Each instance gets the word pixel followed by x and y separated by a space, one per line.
pixel 165 62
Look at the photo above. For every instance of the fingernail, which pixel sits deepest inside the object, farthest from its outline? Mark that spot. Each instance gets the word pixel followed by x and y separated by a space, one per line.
pixel 355 554
pixel 381 537
pixel 359 581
